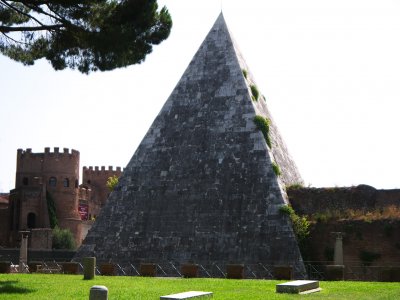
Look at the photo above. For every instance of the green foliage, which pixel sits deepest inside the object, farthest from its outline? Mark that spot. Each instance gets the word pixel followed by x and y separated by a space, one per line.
pixel 300 223
pixel 263 125
pixel 276 169
pixel 388 214
pixel 245 73
pixel 51 208
pixel 300 226
pixel 255 92
pixel 367 257
pixel 63 239
pixel 321 217
pixel 287 210
pixel 61 286
pixel 295 186
pixel 86 35
pixel 112 182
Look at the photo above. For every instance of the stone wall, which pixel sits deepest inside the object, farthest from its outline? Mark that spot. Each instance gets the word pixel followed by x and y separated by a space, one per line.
pixel 12 254
pixel 4 225
pixel 361 197
pixel 364 237
pixel 375 240
pixel 41 238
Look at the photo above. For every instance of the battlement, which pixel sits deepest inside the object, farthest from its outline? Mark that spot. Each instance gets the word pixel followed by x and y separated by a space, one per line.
pixel 102 169
pixel 47 153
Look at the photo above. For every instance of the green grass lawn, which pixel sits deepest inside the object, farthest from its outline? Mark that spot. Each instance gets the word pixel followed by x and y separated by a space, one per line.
pixel 43 286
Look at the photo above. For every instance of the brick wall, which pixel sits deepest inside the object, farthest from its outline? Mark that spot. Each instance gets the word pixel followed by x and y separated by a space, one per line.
pixel 361 197
pixel 378 237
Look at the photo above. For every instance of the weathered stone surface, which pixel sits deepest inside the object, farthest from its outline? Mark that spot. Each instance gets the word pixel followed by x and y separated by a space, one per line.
pixel 188 295
pixel 298 286
pixel 200 187
pixel 98 292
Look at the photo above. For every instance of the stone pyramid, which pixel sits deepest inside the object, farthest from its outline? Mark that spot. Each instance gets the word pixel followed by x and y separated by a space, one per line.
pixel 201 187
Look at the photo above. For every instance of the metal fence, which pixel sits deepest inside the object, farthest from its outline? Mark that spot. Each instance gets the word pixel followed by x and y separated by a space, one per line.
pixel 313 270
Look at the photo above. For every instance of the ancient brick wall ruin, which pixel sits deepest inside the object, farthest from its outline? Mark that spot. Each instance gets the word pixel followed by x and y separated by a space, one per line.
pixel 369 219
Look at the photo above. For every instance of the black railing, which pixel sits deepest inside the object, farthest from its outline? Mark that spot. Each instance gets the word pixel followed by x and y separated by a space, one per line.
pixel 314 270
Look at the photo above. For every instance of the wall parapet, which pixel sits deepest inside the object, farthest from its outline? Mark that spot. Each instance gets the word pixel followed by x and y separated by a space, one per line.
pixel 362 197
pixel 101 169
pixel 47 152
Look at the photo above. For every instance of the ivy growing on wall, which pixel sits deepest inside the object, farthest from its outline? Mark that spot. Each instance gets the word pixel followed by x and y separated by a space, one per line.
pixel 255 92
pixel 51 207
pixel 263 125
pixel 244 73
pixel 276 169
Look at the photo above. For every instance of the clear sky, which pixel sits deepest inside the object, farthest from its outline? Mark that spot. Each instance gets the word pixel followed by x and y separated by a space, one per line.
pixel 330 71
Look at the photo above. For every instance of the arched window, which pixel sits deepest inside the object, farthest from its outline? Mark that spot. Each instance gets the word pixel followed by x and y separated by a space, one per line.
pixel 31 220
pixel 66 182
pixel 25 181
pixel 52 181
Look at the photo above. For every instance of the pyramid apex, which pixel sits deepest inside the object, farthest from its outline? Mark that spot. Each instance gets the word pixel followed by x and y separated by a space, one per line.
pixel 220 21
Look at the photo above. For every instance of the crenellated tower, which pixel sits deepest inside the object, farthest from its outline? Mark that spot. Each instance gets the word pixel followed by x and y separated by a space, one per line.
pixel 43 177
pixel 94 179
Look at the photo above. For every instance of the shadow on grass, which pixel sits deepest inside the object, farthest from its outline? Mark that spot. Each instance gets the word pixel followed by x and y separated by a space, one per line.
pixel 9 287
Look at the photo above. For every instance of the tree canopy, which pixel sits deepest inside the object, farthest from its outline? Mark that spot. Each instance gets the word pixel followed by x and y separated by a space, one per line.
pixel 87 35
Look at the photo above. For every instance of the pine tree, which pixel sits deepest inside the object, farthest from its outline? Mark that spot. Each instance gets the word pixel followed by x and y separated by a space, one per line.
pixel 86 35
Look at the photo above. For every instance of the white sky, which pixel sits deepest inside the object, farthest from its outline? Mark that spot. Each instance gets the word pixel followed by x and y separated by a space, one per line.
pixel 330 71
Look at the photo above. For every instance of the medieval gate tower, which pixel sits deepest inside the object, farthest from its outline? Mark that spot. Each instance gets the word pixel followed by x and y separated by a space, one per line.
pixel 40 176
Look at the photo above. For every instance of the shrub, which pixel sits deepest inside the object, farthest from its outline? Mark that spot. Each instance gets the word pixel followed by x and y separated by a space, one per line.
pixel 276 169
pixel 63 239
pixel 255 92
pixel 286 210
pixel 244 73
pixel 295 186
pixel 300 223
pixel 301 227
pixel 263 125
pixel 112 182
pixel 321 217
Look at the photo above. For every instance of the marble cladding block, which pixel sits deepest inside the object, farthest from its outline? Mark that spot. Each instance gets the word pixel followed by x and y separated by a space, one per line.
pixel 297 286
